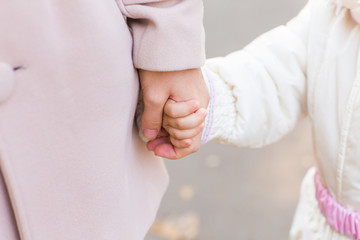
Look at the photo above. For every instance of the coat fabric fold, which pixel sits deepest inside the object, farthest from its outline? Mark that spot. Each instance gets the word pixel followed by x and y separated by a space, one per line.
pixel 72 163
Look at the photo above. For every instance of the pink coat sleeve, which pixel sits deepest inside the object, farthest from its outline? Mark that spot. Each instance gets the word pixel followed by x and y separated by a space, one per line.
pixel 168 34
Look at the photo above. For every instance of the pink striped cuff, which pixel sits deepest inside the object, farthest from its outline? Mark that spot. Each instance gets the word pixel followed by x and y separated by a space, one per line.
pixel 210 117
pixel 343 220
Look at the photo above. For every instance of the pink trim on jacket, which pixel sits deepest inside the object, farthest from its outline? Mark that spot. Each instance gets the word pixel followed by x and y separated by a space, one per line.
pixel 211 107
pixel 343 220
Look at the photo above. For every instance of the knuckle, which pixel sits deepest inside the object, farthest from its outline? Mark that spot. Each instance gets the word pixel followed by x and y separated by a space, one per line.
pixel 177 134
pixel 154 122
pixel 180 123
pixel 183 142
pixel 195 131
pixel 180 144
pixel 171 112
pixel 175 142
pixel 190 108
pixel 153 100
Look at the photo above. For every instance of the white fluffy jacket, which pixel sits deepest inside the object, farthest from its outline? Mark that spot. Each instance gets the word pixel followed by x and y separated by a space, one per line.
pixel 309 67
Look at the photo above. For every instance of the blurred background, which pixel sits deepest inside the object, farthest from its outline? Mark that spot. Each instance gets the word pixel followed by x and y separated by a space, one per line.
pixel 226 193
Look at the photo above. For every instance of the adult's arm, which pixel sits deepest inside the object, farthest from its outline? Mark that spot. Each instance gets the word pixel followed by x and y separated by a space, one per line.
pixel 169 50
pixel 168 34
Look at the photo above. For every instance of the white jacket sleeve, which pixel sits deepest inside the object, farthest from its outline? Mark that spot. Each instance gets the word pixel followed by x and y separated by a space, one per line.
pixel 261 90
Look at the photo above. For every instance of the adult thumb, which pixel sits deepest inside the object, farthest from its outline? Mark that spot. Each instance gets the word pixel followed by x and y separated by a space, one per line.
pixel 151 119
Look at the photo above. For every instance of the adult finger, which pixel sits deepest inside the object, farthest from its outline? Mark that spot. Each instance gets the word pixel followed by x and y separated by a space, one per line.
pixel 151 145
pixel 153 112
pixel 167 150
pixel 162 147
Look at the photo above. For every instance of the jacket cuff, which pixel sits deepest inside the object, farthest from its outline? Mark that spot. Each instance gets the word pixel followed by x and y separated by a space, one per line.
pixel 220 109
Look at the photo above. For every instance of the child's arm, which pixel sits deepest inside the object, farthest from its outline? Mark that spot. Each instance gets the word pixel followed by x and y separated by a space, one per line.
pixel 260 91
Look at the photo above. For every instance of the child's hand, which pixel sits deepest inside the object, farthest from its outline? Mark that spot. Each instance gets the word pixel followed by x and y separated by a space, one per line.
pixel 158 87
pixel 183 123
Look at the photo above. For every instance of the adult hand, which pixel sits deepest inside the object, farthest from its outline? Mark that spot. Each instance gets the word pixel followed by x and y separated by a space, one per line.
pixel 157 88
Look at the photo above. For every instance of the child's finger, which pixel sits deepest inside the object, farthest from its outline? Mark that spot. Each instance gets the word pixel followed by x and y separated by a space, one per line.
pixel 181 143
pixel 191 121
pixel 180 109
pixel 184 134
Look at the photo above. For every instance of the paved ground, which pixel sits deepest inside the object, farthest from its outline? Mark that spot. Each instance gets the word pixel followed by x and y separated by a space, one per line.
pixel 225 193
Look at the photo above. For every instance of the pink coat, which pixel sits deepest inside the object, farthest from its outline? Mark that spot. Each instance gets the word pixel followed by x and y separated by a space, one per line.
pixel 72 165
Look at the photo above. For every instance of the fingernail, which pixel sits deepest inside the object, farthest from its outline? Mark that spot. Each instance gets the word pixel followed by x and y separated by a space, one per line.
pixel 150 133
pixel 188 142
pixel 203 111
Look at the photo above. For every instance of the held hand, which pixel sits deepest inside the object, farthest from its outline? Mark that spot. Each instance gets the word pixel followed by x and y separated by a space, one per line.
pixel 157 88
pixel 183 123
